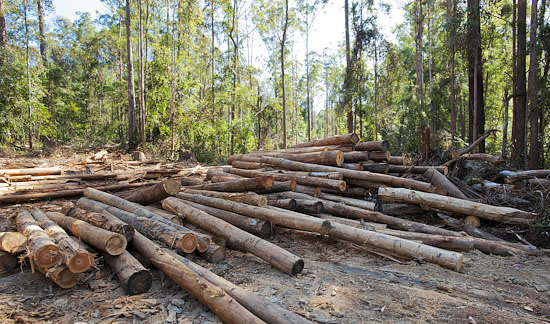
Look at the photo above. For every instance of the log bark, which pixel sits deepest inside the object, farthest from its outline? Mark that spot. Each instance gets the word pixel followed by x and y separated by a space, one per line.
pixel 289 204
pixel 133 277
pixel 303 180
pixel 439 180
pixel 484 157
pixel 378 156
pixel 359 175
pixel 8 263
pixel 334 158
pixel 373 146
pixel 332 140
pixel 454 243
pixel 522 175
pixel 247 197
pixel 31 171
pixel 101 218
pixel 251 184
pixel 312 191
pixel 304 223
pixel 308 206
pixel 376 167
pixel 298 150
pixel 539 182
pixel 353 166
pixel 279 186
pixel 61 276
pixel 367 205
pixel 112 243
pixel 397 209
pixel 77 260
pixel 222 178
pixel 417 169
pixel 191 182
pixel 248 165
pixel 42 250
pixel 158 192
pixel 254 226
pixel 349 192
pixel 357 156
pixel 12 242
pixel 235 237
pixel 465 207
pixel 229 310
pixel 399 160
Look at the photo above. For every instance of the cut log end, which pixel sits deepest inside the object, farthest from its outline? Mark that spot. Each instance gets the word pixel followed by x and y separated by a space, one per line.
pixel 115 245
pixel 188 242
pixel 342 186
pixel 12 242
pixel 47 256
pixel 297 267
pixel 80 262
pixel 140 282
pixel 265 229
pixel 63 277
pixel 472 220
pixel 202 245
pixel 215 253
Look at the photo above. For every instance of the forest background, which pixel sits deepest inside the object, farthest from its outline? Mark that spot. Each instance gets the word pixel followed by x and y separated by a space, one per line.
pixel 168 75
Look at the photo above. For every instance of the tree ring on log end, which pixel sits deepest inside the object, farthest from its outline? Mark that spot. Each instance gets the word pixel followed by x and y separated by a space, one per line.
pixel 115 244
pixel 188 243
pixel 47 256
pixel 342 186
pixel 80 262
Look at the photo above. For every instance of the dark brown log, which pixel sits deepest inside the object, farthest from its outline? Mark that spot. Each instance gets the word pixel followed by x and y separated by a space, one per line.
pixel 76 259
pixel 461 206
pixel 61 276
pixel 279 186
pixel 269 312
pixel 133 277
pixel 357 156
pixel 397 209
pixel 304 223
pixel 365 183
pixel 484 157
pixel 326 175
pixel 378 156
pixel 376 167
pixel 373 146
pixel 304 180
pixel 31 171
pixel 437 179
pixel 308 206
pixel 349 192
pixel 333 140
pixel 101 218
pixel 334 158
pixel 235 237
pixel 12 242
pixel 244 197
pixel 248 165
pixel 228 309
pixel 171 234
pixel 359 175
pixel 250 184
pixel 19 198
pixel 8 263
pixel 254 226
pixel 289 204
pixel 158 192
pixel 42 250
pixel 112 243
pixel 312 191
pixel 353 166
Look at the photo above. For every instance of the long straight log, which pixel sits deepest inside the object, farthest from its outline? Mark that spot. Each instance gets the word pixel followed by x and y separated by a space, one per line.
pixel 373 146
pixel 332 140
pixel 357 156
pixel 349 192
pixel 19 198
pixel 158 192
pixel 279 186
pixel 60 177
pixel 31 171
pixel 326 175
pixel 254 226
pixel 461 206
pixel 376 167
pixel 368 205
pixel 484 157
pixel 43 251
pixel 227 308
pixel 76 259
pixel 304 223
pixel 174 237
pixel 246 197
pixel 312 191
pixel 522 175
pixel 223 178
pixel 308 206
pixel 12 242
pixel 399 160
pixel 378 156
pixel 398 209
pixel 297 150
pixel 353 166
pixel 455 243
pixel 359 175
pixel 417 169
pixel 133 277
pixel 437 179
pixel 303 180
pixel 112 243
pixel 279 258
pixel 289 204
pixel 334 158
pixel 101 218
pixel 248 165
pixel 241 185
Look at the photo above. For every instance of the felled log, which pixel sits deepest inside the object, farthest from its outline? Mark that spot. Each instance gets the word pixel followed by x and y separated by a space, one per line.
pixel 248 165
pixel 279 186
pixel 245 197
pixel 461 206
pixel 19 198
pixel 171 234
pixel 365 183
pixel 133 277
pixel 539 182
pixel 399 160
pixel 222 178
pixel 326 175
pixel 304 223
pixel 112 243
pixel 353 222
pixel 303 180
pixel 454 243
pixel 368 205
pixel 312 191
pixel 456 154
pixel 359 175
pixel 437 179
pixel 308 206
pixel 332 140
pixel 353 166
pixel 334 158
pixel 376 167
pixel 373 146
pixel 158 192
pixel 269 312
pixel 528 174
pixel 77 259
pixel 31 171
pixel 227 309
pixel 398 209
pixel 349 192
pixel 61 276
pixel 356 156
pixel 289 204
pixel 8 263
pixel 235 237
pixel 378 156
pixel 100 218
pixel 484 157
pixel 250 184
pixel 417 169
pixel 341 147
pixel 190 182
pixel 12 242
pixel 43 251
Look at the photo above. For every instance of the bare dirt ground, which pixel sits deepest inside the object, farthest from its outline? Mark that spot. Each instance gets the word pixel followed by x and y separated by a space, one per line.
pixel 341 283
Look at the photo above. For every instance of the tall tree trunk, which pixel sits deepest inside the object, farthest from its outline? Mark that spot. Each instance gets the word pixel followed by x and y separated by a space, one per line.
pixel 505 101
pixel 348 105
pixel 131 92
pixel 451 11
pixel 141 78
pixel 520 110
pixel 283 41
pixel 307 82
pixel 419 26
pixel 27 50
pixel 376 129
pixel 475 75
pixel 535 147
pixel 3 32
pixel 213 63
pixel 235 58
pixel 433 108
pixel 41 30
pixel 120 114
pixel 170 23
pixel 543 35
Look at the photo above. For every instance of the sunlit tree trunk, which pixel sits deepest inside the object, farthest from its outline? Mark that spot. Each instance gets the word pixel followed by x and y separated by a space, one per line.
pixel 451 11
pixel 29 107
pixel 535 147
pixel 41 30
pixel 131 92
pixel 348 106
pixel 283 41
pixel 3 32
pixel 419 27
pixel 475 75
pixel 141 77
pixel 520 110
